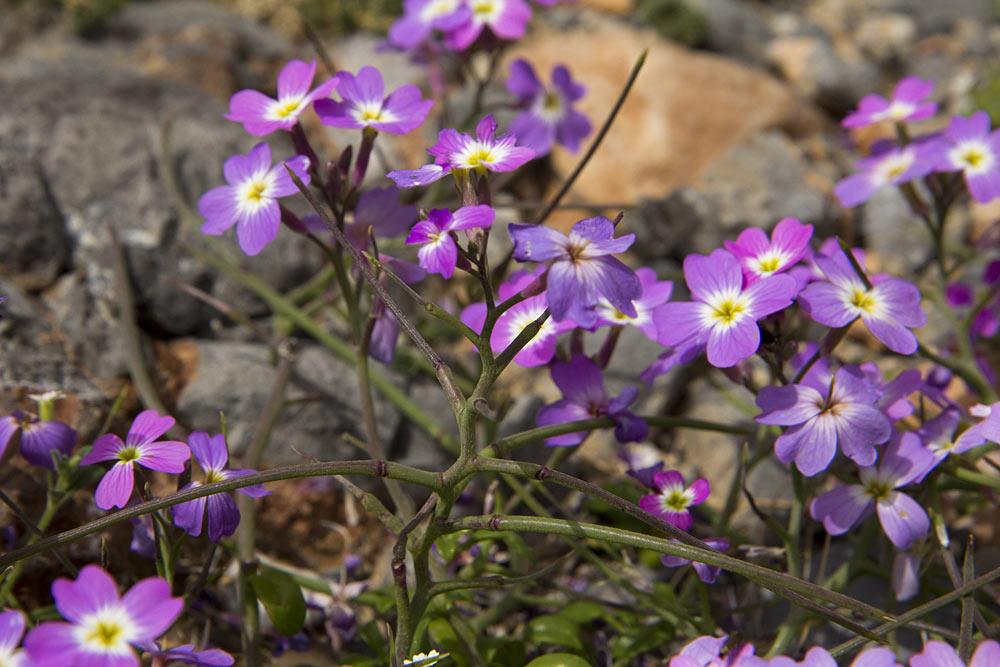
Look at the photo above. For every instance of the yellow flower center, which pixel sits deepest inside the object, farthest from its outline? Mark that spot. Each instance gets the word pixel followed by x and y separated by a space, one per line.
pixel 105 634
pixel 287 109
pixel 863 300
pixel 128 454
pixel 727 311
pixel 482 8
pixel 677 501
pixel 878 489
pixel 895 171
pixel 974 157
pixel 256 192
pixel 369 114
pixel 214 476
pixel 552 102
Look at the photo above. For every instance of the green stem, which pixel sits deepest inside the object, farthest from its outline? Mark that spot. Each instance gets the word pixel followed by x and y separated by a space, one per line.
pixel 48 514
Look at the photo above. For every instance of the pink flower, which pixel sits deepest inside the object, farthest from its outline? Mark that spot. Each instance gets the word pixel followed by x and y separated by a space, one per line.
pixel 262 115
pixel 760 257
pixel 672 502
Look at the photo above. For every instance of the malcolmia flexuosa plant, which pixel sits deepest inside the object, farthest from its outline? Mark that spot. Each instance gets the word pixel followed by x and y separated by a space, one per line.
pixel 770 310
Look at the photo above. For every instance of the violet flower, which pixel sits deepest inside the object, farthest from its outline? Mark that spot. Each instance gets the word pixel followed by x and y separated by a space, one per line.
pixel 250 201
pixel 938 436
pixel 365 105
pixel 723 312
pixel 262 115
pixel 818 656
pixel 438 252
pixel 889 308
pixel 115 487
pixel 969 146
pixel 902 518
pixel 212 657
pixel 11 628
pixel 887 165
pixel 38 438
pixel 939 654
pixel 705 652
pixel 421 17
pixel 549 115
pixel 905 575
pixel 706 573
pixel 506 19
pixel 672 501
pixel 761 257
pixel 582 269
pixel 906 105
pixel 584 397
pixel 655 293
pixel 824 413
pixel 102 626
pixel 220 509
pixel 682 354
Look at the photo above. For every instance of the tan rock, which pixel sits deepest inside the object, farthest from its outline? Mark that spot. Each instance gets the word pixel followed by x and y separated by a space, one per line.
pixel 613 6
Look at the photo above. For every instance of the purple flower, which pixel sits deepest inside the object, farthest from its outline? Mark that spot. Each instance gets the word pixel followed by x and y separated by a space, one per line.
pixel 905 575
pixel 421 17
pixel 684 353
pixel 185 653
pixel 582 271
pixel 825 412
pixel 365 105
pixel 723 312
pixel 102 626
pixel 11 629
pixel 672 501
pixel 507 19
pixel 222 513
pixel 939 654
pixel 902 517
pixel 262 115
pixel 907 105
pixel 654 294
pixel 820 657
pixel 889 308
pixel 887 165
pixel 38 438
pixel 895 394
pixel 115 488
pixel 379 210
pixel 969 146
pixel 549 116
pixel 584 397
pixel 760 257
pixel 438 254
pixel 704 652
pixel 938 435
pixel 706 573
pixel 250 201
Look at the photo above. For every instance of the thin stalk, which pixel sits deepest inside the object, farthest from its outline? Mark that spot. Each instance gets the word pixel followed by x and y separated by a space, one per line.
pixel 34 540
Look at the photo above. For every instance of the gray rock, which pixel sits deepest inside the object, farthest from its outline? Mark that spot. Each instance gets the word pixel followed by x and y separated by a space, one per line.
pixel 735 28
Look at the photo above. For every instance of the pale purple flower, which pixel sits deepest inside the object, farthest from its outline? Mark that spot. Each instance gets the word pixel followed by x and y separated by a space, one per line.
pixel 250 201
pixel 818 656
pixel 704 652
pixel 906 575
pixel 655 293
pixel 939 436
pixel 761 257
pixel 102 627
pixel 584 397
pixel 582 270
pixel 115 487
pixel 38 438
pixel 506 19
pixel 364 104
pixel 906 105
pixel 379 210
pixel 890 308
pixel 887 165
pixel 682 354
pixel 421 17
pixel 706 573
pixel 895 401
pixel 438 252
pixel 902 518
pixel 673 499
pixel 939 654
pixel 220 509
pixel 724 314
pixel 825 412
pixel 262 115
pixel 969 146
pixel 212 657
pixel 549 116
pixel 11 629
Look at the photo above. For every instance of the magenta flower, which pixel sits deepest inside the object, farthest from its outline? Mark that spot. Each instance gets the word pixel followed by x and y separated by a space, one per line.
pixel 760 257
pixel 584 397
pixel 939 654
pixel 706 573
pixel 438 252
pixel 365 105
pixel 262 115
pixel 549 115
pixel 723 312
pixel 222 513
pixel 655 293
pixel 902 517
pixel 818 656
pixel 825 412
pixel 705 652
pixel 673 500
pixel 507 19
pixel 969 146
pixel 421 17
pixel 38 438
pixel 103 627
pixel 906 105
pixel 890 308
pixel 582 270
pixel 115 487
pixel 250 201
pixel 887 165
pixel 11 629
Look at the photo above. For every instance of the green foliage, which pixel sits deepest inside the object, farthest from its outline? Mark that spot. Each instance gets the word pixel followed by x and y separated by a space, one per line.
pixel 559 660
pixel 282 600
pixel 986 95
pixel 674 20
pixel 346 16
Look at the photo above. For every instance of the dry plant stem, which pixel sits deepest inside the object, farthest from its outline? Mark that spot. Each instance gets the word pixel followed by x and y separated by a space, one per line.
pixel 958 579
pixel 443 372
pixel 235 315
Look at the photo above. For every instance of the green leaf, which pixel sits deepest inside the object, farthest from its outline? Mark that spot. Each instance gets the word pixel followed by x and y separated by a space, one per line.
pixel 559 660
pixel 553 629
pixel 282 600
pixel 581 612
pixel 373 637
